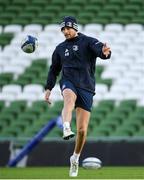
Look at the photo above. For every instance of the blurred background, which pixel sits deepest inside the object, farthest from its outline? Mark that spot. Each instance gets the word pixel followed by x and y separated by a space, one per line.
pixel 116 129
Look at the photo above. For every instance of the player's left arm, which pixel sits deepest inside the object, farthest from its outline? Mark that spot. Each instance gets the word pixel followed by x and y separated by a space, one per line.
pixel 100 49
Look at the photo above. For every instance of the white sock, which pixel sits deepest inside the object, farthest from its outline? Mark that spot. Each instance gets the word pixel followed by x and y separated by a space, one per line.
pixel 66 125
pixel 76 156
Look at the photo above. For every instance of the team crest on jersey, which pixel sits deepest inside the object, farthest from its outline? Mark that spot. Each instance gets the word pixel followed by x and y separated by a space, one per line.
pixel 66 52
pixel 75 47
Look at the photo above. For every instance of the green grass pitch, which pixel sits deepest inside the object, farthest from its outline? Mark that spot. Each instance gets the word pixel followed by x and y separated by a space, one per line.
pixel 62 173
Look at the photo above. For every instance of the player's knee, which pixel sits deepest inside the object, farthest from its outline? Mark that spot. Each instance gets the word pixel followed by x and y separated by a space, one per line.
pixel 82 132
pixel 69 104
pixel 69 98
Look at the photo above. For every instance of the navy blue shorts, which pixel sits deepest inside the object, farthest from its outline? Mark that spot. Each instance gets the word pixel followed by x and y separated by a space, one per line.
pixel 84 97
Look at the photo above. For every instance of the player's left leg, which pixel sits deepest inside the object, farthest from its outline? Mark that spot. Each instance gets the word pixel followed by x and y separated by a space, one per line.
pixel 82 120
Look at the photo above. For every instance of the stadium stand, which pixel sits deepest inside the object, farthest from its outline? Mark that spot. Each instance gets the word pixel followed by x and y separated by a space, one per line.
pixel 118 109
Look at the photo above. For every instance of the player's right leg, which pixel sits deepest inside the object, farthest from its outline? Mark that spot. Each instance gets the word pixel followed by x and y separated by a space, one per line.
pixel 69 102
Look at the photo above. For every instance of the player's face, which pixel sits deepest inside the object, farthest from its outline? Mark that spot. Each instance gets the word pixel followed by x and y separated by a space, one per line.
pixel 69 33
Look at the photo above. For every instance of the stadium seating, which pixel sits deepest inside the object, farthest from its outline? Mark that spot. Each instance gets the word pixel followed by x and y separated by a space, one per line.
pixel 118 108
pixel 44 12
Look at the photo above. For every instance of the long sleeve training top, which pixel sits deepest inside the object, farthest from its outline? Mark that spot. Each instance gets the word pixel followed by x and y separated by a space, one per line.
pixel 76 60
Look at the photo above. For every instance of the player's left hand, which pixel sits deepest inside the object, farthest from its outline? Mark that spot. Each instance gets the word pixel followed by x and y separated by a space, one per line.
pixel 106 50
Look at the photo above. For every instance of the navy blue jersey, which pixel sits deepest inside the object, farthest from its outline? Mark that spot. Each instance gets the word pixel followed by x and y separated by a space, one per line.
pixel 75 59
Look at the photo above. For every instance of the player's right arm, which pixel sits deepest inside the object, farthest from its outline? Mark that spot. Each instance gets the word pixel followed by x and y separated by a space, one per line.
pixel 54 71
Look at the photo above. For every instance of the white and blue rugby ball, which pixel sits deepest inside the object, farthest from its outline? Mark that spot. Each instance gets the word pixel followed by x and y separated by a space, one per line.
pixel 29 44
pixel 91 163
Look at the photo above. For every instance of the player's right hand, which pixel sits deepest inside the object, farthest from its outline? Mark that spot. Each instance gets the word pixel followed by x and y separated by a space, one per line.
pixel 47 95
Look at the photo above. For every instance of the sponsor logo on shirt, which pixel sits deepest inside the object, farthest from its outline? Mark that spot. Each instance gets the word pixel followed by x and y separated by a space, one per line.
pixel 66 52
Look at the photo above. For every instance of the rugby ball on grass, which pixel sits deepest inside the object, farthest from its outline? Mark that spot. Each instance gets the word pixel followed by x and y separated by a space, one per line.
pixel 91 163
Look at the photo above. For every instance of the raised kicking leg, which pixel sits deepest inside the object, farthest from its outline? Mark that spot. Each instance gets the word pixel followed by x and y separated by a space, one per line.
pixel 69 102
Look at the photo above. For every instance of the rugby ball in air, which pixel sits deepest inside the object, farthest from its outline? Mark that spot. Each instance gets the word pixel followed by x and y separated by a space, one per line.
pixel 29 44
pixel 91 163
